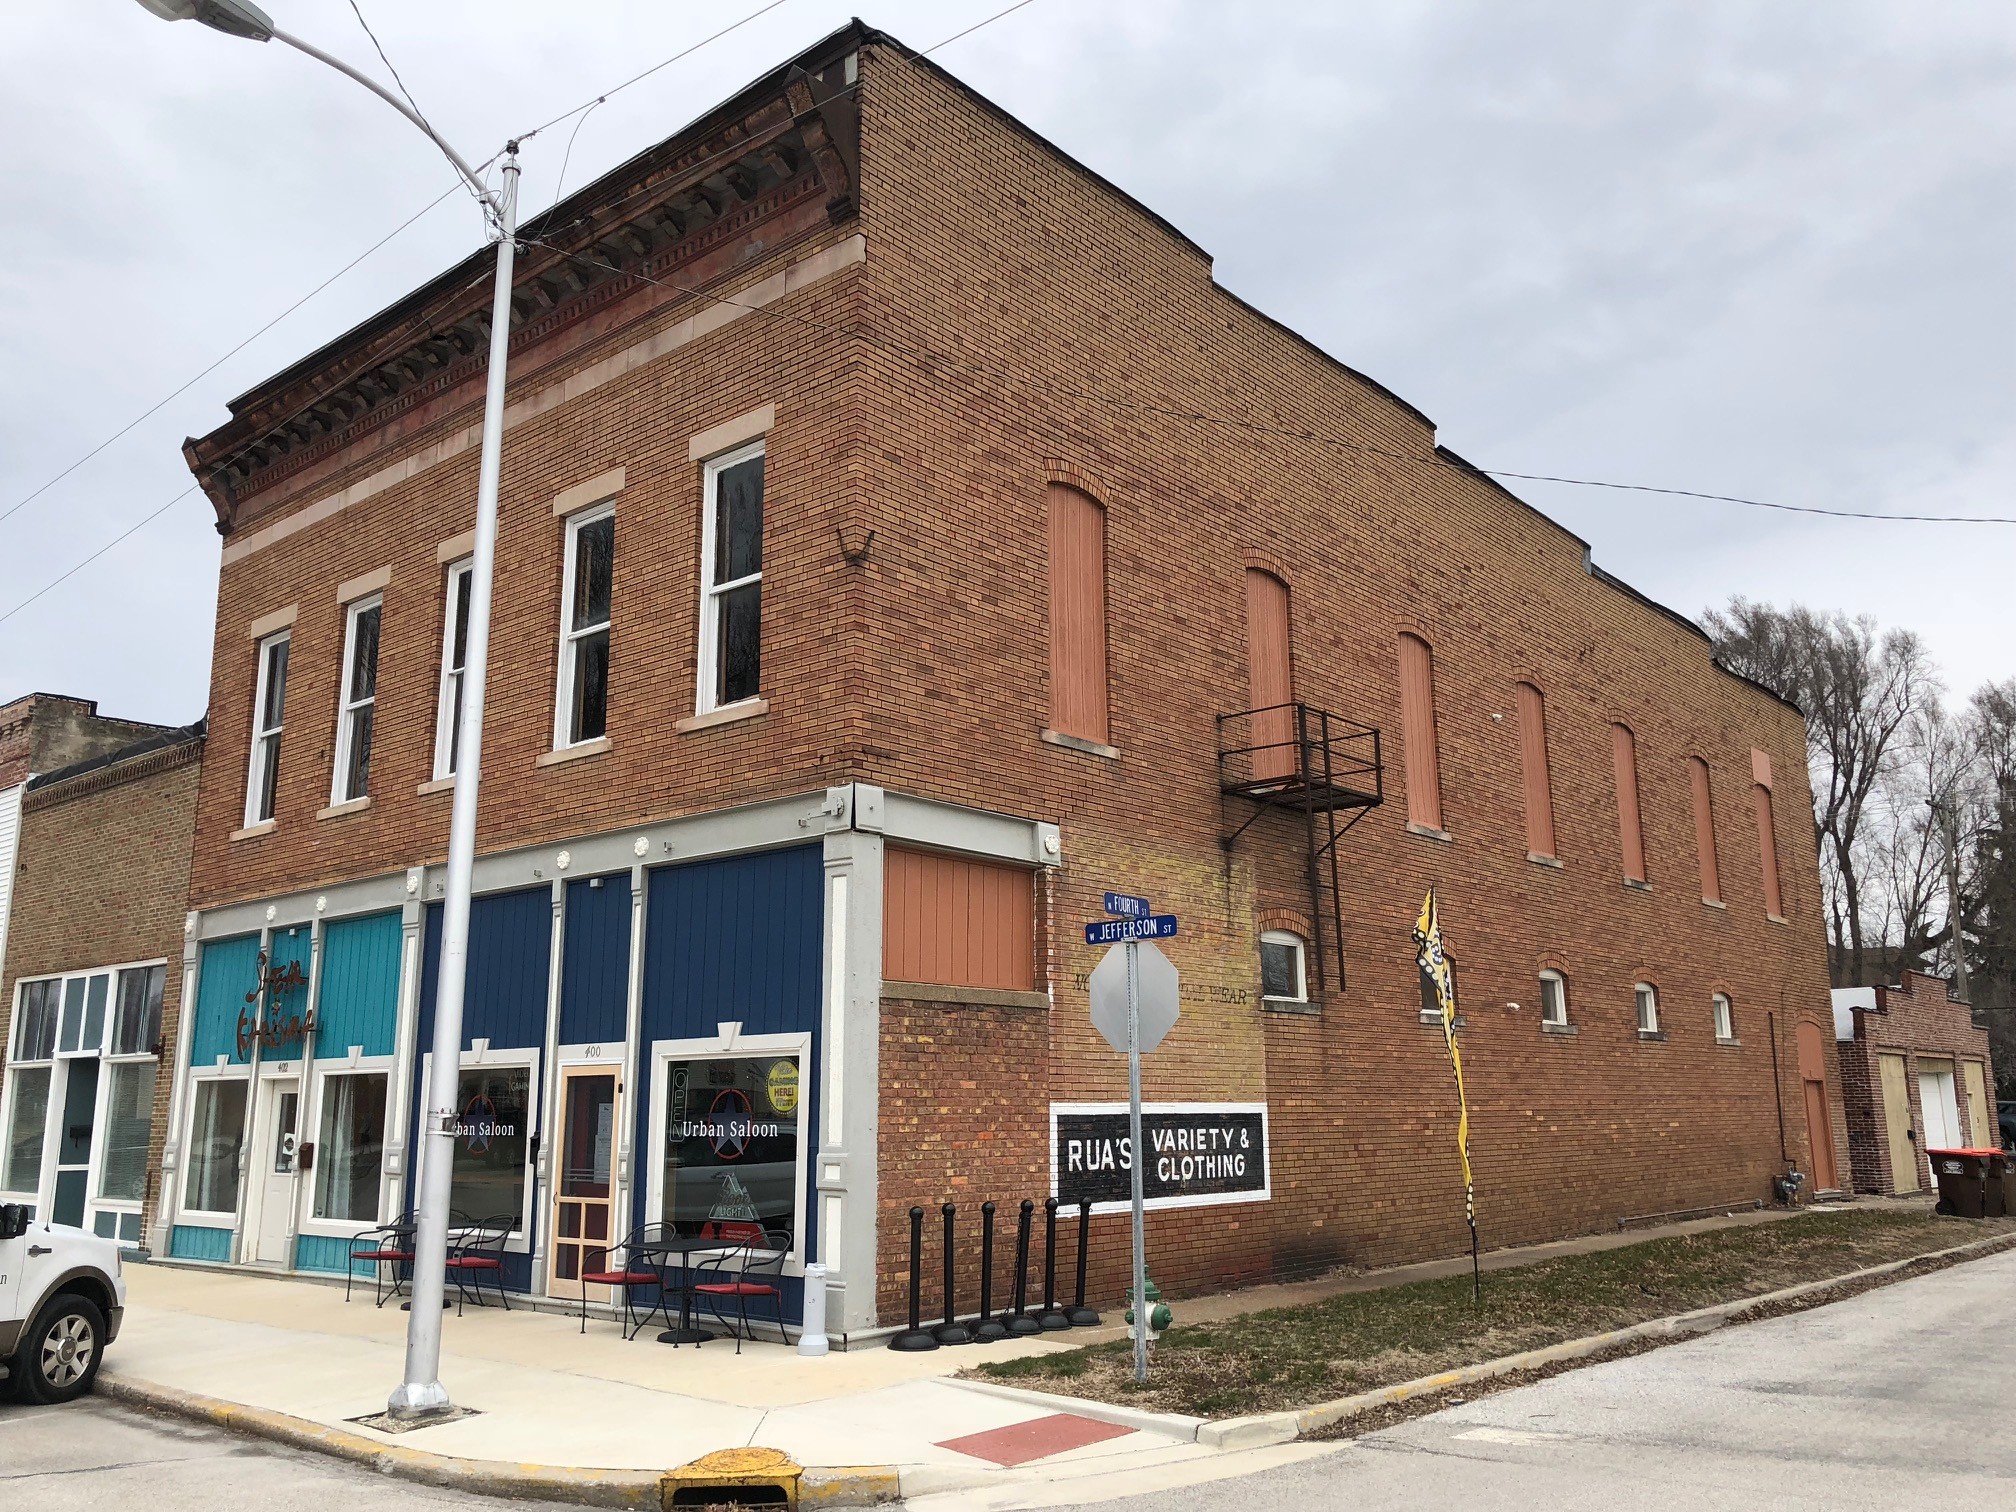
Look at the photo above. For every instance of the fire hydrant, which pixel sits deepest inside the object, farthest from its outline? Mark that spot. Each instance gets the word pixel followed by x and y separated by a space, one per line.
pixel 1159 1316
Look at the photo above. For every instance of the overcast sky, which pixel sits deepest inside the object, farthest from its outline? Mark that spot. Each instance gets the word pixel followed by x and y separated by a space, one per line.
pixel 1765 249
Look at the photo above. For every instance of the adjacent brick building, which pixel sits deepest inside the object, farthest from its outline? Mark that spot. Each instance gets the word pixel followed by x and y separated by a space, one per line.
pixel 904 540
pixel 1916 1075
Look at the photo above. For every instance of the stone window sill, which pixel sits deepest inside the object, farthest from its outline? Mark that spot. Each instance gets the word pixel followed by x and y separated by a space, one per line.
pixel 1771 918
pixel 748 708
pixel 1554 862
pixel 984 997
pixel 1652 1036
pixel 1429 832
pixel 1729 1044
pixel 438 785
pixel 338 810
pixel 1431 1019
pixel 1715 903
pixel 579 752
pixel 1081 744
pixel 1635 885
pixel 1565 1030
pixel 254 831
pixel 1289 1005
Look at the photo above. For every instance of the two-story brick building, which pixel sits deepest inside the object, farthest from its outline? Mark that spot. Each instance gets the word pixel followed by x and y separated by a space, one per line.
pixel 1917 1075
pixel 903 540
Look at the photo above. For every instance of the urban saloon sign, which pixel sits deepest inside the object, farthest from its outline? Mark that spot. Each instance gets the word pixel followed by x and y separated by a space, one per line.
pixel 1198 1154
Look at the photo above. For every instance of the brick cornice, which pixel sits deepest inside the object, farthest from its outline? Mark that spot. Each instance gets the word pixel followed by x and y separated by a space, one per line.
pixel 84 784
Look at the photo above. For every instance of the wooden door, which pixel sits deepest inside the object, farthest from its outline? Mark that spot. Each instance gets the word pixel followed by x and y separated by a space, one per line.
pixel 583 1179
pixel 1981 1132
pixel 1897 1123
pixel 1819 1127
pixel 1270 678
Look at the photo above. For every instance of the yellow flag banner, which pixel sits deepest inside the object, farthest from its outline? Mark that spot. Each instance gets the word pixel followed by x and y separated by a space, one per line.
pixel 1438 977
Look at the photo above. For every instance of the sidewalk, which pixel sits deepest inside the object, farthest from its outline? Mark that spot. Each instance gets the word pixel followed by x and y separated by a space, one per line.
pixel 547 1396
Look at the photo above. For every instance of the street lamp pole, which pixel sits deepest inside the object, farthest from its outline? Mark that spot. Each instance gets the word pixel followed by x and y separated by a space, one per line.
pixel 421 1393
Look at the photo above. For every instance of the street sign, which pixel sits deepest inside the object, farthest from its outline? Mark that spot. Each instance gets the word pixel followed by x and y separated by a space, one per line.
pixel 1113 931
pixel 1127 906
pixel 1155 988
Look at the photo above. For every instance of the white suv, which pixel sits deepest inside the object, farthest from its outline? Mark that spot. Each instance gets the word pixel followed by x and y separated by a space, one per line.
pixel 61 1301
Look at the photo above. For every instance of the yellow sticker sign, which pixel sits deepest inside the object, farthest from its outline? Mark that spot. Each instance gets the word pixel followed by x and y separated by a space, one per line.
pixel 782 1085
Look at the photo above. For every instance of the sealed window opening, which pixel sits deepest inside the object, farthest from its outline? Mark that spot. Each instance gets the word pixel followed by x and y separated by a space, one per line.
pixel 1283 967
pixel 732 1146
pixel 731 582
pixel 1270 678
pixel 269 703
pixel 1077 615
pixel 27 1126
pixel 350 1149
pixel 1704 830
pixel 1417 733
pixel 582 708
pixel 216 1144
pixel 1725 1017
pixel 958 922
pixel 1630 822
pixel 1533 767
pixel 1648 1007
pixel 360 702
pixel 491 1140
pixel 454 660
pixel 1553 998
pixel 1767 851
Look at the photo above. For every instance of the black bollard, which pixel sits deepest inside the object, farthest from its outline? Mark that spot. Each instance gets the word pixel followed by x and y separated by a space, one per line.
pixel 916 1338
pixel 989 1328
pixel 1080 1315
pixel 1019 1321
pixel 951 1331
pixel 1054 1317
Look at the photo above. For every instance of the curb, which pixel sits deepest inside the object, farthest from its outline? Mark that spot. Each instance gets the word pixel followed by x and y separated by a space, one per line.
pixel 829 1486
pixel 1283 1427
pixel 1170 1424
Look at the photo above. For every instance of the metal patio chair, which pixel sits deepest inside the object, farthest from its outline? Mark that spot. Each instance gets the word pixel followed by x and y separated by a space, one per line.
pixel 750 1272
pixel 475 1252
pixel 629 1268
pixel 390 1245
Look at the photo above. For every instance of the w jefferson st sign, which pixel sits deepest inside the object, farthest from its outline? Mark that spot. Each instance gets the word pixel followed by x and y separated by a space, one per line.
pixel 1199 1154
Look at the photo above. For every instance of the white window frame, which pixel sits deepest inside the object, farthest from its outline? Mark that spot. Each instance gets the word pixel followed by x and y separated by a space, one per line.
pixel 452 677
pixel 348 705
pixel 1287 937
pixel 707 671
pixel 1559 982
pixel 519 1240
pixel 206 1217
pixel 563 700
pixel 738 1047
pixel 1645 995
pixel 44 1173
pixel 256 763
pixel 1724 1011
pixel 320 1073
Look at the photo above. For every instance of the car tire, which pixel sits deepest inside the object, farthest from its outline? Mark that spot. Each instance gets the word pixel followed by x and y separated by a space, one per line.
pixel 58 1357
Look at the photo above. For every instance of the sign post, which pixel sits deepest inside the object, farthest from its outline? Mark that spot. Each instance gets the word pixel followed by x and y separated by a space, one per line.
pixel 1137 1163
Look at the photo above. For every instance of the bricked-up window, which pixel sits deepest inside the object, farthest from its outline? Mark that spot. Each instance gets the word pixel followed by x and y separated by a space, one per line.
pixel 1725 1016
pixel 1704 830
pixel 1648 1007
pixel 454 660
pixel 955 922
pixel 731 582
pixel 1417 733
pixel 269 703
pixel 1284 976
pixel 1533 766
pixel 1630 822
pixel 1077 616
pixel 1767 833
pixel 1553 998
pixel 359 708
pixel 1270 677
pixel 581 711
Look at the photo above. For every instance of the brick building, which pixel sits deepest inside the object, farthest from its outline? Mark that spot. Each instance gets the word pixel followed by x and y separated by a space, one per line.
pixel 86 995
pixel 1916 1075
pixel 900 530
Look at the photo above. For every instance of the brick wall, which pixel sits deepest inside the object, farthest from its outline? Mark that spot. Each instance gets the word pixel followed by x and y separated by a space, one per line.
pixel 1917 1018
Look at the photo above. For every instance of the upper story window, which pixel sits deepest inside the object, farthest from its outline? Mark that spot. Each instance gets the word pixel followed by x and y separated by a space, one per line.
pixel 581 710
pixel 1767 833
pixel 1417 733
pixel 1533 767
pixel 1284 975
pixel 1704 830
pixel 269 702
pixel 1648 1007
pixel 1630 822
pixel 359 703
pixel 1553 998
pixel 454 657
pixel 731 580
pixel 1725 1017
pixel 1077 615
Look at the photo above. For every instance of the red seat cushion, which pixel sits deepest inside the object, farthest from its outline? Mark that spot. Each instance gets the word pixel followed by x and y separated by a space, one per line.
pixel 474 1262
pixel 737 1289
pixel 380 1255
pixel 620 1278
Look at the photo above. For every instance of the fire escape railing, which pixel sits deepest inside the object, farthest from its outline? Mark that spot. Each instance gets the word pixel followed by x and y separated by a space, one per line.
pixel 1300 760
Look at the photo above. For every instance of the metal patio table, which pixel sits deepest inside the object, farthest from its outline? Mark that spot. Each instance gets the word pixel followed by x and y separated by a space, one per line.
pixel 660 1252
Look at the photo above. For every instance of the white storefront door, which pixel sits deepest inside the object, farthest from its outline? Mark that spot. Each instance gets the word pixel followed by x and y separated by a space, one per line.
pixel 1939 1106
pixel 279 1137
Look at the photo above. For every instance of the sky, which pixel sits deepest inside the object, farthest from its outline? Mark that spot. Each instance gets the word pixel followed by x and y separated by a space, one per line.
pixel 1762 249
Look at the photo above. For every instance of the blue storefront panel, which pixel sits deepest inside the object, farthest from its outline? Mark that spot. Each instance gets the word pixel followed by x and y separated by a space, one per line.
pixel 595 961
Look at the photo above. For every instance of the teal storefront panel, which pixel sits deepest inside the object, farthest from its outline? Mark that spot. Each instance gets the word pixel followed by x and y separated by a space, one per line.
pixel 226 971
pixel 189 1242
pixel 319 1252
pixel 359 1002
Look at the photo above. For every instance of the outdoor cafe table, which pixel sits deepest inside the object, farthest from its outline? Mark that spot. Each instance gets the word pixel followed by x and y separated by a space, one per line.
pixel 660 1254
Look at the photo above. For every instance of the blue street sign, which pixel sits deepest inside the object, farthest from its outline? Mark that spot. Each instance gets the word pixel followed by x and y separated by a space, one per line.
pixel 1113 931
pixel 1127 906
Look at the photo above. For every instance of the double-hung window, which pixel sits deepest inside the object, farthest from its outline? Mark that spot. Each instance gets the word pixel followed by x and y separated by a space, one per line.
pixel 454 658
pixel 360 700
pixel 269 701
pixel 1553 999
pixel 582 709
pixel 731 580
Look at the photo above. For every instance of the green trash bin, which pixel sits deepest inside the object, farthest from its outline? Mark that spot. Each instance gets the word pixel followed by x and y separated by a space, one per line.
pixel 1963 1181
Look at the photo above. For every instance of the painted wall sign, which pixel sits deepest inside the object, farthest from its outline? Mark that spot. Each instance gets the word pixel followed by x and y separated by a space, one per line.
pixel 1199 1154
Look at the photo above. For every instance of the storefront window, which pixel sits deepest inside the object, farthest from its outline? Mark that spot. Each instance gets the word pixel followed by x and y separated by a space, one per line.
pixel 129 1110
pixel 731 1146
pixel 216 1141
pixel 24 1133
pixel 136 1022
pixel 490 1143
pixel 351 1153
pixel 35 1034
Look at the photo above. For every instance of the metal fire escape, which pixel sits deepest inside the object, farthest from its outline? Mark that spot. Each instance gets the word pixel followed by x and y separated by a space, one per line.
pixel 1292 758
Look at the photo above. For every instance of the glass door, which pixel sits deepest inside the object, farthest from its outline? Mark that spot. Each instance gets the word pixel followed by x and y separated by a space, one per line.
pixel 583 1186
pixel 73 1142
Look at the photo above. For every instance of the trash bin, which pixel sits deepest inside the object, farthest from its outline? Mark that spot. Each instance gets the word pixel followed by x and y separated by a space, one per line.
pixel 1963 1181
pixel 2001 1189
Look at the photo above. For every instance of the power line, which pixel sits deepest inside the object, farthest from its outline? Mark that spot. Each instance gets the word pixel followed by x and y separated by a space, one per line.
pixel 419 114
pixel 129 530
pixel 974 27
